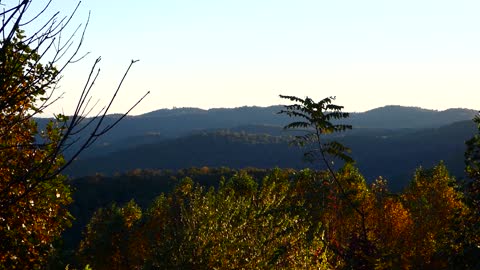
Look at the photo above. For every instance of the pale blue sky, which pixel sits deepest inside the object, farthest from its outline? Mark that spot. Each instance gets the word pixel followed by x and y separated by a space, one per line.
pixel 206 53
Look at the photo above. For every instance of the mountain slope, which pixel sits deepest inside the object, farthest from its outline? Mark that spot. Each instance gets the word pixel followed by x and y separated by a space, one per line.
pixel 391 154
pixel 394 117
pixel 166 124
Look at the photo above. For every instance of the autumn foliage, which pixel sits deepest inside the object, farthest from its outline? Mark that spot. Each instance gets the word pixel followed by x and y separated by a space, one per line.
pixel 32 195
pixel 289 220
pixel 308 219
pixel 239 225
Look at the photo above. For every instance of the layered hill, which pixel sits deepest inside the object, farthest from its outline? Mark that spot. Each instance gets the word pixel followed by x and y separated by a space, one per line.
pixel 393 155
pixel 174 123
pixel 390 141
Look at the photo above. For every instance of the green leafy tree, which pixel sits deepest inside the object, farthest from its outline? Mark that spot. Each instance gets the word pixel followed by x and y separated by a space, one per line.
pixel 237 226
pixel 316 120
pixel 234 229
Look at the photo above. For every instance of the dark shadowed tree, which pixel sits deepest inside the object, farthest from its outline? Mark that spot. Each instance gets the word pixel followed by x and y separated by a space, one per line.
pixel 472 162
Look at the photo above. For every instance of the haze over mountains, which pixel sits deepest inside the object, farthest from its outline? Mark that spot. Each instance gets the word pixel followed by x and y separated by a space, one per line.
pixel 172 123
pixel 395 117
pixel 390 141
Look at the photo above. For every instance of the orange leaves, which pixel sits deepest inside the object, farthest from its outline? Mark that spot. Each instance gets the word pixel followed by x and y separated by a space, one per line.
pixel 409 230
pixel 32 216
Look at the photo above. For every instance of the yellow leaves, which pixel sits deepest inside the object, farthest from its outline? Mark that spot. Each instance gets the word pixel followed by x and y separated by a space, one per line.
pixel 408 230
pixel 273 225
pixel 437 211
pixel 194 228
pixel 31 216
pixel 30 212
pixel 396 217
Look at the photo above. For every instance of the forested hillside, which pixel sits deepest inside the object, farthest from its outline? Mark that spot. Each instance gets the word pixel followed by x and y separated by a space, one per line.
pixel 202 218
pixel 173 123
pixel 393 154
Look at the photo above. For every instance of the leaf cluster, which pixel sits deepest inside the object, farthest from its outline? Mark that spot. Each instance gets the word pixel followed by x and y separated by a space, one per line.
pixel 316 119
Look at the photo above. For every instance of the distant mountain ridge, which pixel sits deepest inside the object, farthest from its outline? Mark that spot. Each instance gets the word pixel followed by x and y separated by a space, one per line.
pixel 181 121
pixel 177 122
pixel 385 141
pixel 394 116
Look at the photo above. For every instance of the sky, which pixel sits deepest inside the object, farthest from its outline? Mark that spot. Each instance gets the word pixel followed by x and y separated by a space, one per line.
pixel 231 53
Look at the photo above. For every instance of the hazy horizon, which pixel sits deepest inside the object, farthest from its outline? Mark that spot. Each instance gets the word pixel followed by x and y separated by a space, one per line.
pixel 211 53
pixel 46 115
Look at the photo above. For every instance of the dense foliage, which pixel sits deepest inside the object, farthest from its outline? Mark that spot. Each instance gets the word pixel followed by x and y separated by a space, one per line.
pixel 33 192
pixel 32 195
pixel 391 154
pixel 197 226
pixel 241 224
